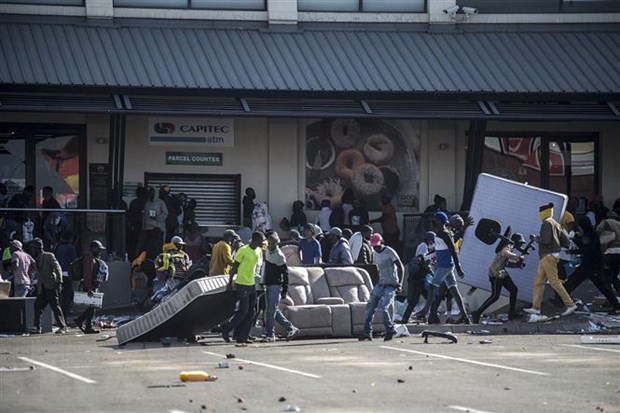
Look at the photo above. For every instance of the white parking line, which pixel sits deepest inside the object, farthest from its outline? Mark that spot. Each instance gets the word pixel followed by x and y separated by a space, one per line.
pixel 271 366
pixel 479 363
pixel 591 348
pixel 59 370
pixel 467 409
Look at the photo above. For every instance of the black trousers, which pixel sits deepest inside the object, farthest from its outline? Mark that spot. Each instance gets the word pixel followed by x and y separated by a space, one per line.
pixel 243 318
pixel 66 298
pixel 600 282
pixel 611 263
pixel 51 297
pixel 86 318
pixel 496 288
pixel 415 288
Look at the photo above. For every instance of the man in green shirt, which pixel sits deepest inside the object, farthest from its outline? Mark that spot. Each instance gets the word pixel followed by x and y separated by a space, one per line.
pixel 244 268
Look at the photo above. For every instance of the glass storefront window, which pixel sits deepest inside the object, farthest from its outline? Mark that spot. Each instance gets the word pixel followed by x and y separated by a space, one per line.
pixel 565 164
pixel 542 6
pixel 371 6
pixel 47 2
pixel 195 4
pixel 57 161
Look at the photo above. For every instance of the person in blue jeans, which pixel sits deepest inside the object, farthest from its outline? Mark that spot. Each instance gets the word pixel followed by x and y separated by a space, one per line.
pixel 276 285
pixel 390 277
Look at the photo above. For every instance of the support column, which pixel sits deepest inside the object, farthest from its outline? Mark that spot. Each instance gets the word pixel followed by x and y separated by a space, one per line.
pixel 473 167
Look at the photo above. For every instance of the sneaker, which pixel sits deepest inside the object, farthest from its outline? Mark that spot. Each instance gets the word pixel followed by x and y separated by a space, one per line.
pixel 91 330
pixel 240 344
pixel 475 317
pixel 536 318
pixel 434 319
pixel 364 338
pixel 269 339
pixel 569 310
pixel 420 317
pixel 79 324
pixel 532 310
pixel 225 333
pixel 62 330
pixel 389 335
pixel 292 333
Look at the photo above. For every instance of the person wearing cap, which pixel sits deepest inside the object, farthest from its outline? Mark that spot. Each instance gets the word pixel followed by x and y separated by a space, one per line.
pixel 171 266
pixel 221 255
pixel 419 274
pixel 391 272
pixel 550 240
pixel 446 262
pixel 340 252
pixel 499 277
pixel 244 269
pixel 49 284
pixel 275 280
pixel 610 227
pixel 94 271
pixel 309 246
pixel 23 268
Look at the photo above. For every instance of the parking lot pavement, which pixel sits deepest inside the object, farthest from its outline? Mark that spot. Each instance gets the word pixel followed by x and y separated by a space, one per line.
pixel 536 373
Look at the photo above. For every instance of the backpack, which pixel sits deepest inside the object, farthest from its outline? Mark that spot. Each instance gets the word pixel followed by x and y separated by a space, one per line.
pixel 76 269
pixel 102 271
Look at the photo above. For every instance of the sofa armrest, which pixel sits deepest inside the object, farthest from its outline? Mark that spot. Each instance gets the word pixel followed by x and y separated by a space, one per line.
pixel 287 302
pixel 330 300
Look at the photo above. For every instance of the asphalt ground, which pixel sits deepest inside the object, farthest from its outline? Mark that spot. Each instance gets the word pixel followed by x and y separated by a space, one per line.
pixel 513 373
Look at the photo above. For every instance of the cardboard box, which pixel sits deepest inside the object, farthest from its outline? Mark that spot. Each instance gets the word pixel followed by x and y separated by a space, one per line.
pixel 82 298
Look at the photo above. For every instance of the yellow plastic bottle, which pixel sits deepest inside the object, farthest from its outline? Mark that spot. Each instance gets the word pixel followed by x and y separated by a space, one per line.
pixel 196 375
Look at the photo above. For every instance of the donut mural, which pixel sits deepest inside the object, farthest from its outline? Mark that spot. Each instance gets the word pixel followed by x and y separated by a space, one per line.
pixel 372 157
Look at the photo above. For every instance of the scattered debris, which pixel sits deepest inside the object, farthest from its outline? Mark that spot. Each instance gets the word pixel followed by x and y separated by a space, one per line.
pixel 282 399
pixel 506 388
pixel 191 401
pixel 410 367
pixel 165 386
pixel 230 356
pixel 104 337
pixel 12 369
pixel 600 340
pixel 240 367
pixel 449 336
pixel 239 399
pixel 291 408
pixel 223 364
pixel 478 332
pixel 486 341
pixel 354 391
pixel 400 381
pixel 203 407
pixel 196 375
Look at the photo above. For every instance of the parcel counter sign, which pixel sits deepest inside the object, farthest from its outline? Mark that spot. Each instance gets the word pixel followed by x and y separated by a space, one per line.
pixel 194 158
pixel 192 131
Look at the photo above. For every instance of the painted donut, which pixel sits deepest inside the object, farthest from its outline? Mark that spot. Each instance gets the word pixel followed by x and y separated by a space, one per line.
pixel 391 178
pixel 347 162
pixel 378 149
pixel 368 179
pixel 345 132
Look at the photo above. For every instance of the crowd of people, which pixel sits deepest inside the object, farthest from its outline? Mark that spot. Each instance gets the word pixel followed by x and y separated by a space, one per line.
pixel 168 245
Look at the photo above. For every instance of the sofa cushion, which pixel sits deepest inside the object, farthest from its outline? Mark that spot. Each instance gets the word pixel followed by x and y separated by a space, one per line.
pixel 299 286
pixel 330 300
pixel 291 253
pixel 348 283
pixel 318 284
pixel 309 316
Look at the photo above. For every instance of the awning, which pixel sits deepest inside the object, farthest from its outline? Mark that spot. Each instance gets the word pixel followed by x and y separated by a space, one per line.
pixel 255 60
pixel 300 108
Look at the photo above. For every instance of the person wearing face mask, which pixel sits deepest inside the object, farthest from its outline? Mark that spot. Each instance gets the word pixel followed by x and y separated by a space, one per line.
pixel 391 272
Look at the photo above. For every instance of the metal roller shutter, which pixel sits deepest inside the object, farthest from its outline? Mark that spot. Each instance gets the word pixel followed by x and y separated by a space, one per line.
pixel 217 196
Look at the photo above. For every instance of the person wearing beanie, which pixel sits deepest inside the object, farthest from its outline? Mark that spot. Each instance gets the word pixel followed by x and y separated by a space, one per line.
pixel 391 272
pixel 276 287
pixel 550 240
pixel 447 262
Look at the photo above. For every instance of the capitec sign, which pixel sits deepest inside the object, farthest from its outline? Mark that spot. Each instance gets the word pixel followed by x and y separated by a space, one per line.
pixel 192 131
pixel 194 158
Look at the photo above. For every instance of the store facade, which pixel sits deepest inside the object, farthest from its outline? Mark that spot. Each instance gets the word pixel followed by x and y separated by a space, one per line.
pixel 265 108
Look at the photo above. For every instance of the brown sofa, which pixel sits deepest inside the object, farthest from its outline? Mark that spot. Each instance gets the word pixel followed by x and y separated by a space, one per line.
pixel 328 301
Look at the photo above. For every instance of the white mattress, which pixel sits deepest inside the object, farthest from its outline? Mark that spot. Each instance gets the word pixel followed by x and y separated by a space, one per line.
pixel 509 203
